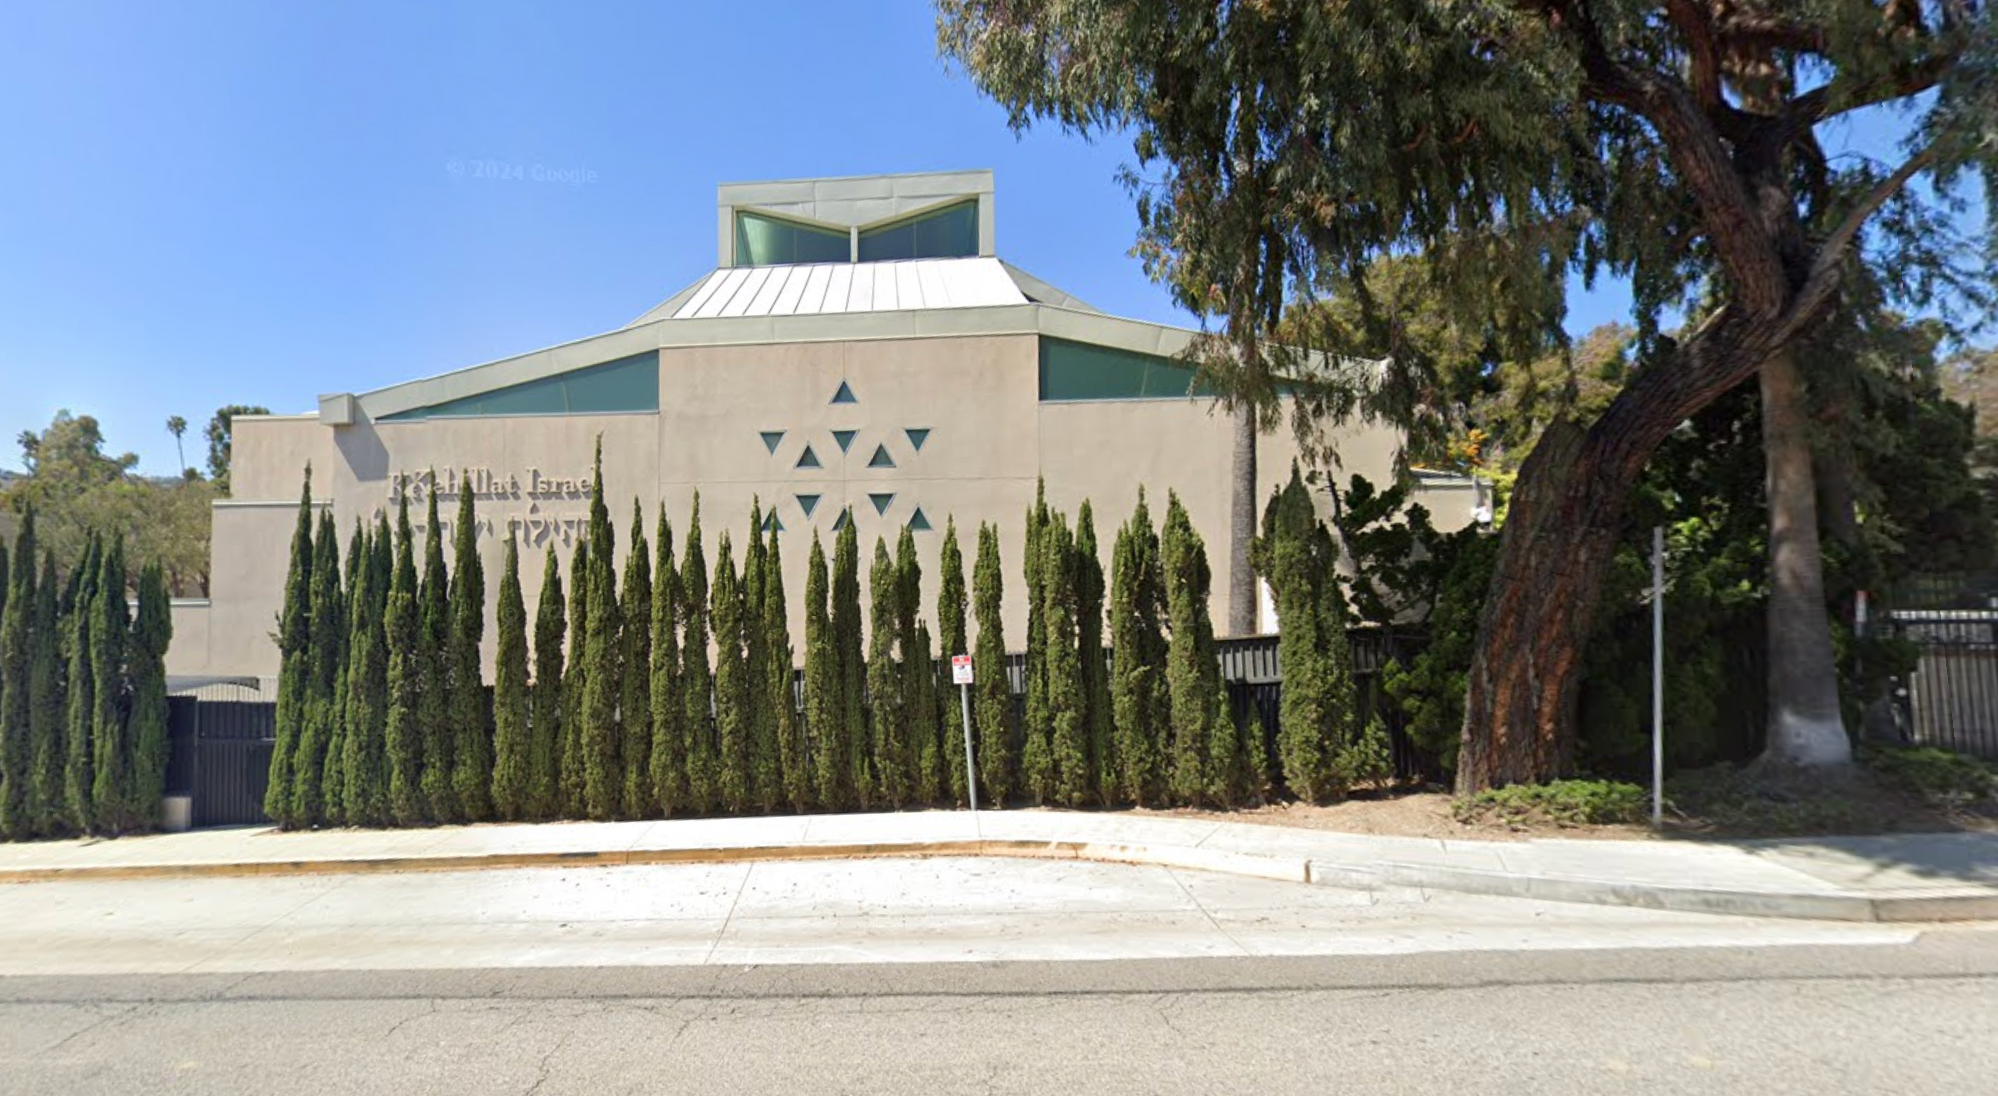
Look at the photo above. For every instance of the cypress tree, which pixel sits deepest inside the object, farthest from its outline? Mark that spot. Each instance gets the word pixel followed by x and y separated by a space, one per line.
pixel 780 697
pixel 669 739
pixel 919 674
pixel 766 780
pixel 1141 709
pixel 951 633
pixel 1206 755
pixel 634 709
pixel 1069 780
pixel 332 775
pixel 1099 716
pixel 1037 727
pixel 511 729
pixel 470 711
pixel 993 707
pixel 930 779
pixel 17 616
pixel 731 782
pixel 851 665
pixel 433 651
pixel 603 783
pixel 696 680
pixel 80 688
pixel 1326 743
pixel 364 762
pixel 573 684
pixel 824 722
pixel 541 793
pixel 46 707
pixel 402 622
pixel 111 771
pixel 887 709
pixel 323 685
pixel 152 630
pixel 294 636
pixel 1295 555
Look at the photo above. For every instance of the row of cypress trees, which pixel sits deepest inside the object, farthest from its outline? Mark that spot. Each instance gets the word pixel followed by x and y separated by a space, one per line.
pixel 672 688
pixel 83 692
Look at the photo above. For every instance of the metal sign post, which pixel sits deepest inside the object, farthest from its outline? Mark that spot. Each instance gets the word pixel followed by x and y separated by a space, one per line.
pixel 1657 676
pixel 960 675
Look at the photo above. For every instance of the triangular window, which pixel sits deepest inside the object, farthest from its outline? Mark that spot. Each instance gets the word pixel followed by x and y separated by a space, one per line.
pixel 808 459
pixel 840 521
pixel 882 502
pixel 772 439
pixel 808 503
pixel 844 395
pixel 881 459
pixel 844 438
pixel 917 436
pixel 919 523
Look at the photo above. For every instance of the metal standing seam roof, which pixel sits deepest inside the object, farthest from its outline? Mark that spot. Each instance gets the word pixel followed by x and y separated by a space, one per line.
pixel 821 288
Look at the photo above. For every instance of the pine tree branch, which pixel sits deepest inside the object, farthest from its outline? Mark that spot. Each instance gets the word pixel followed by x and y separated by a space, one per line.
pixel 1694 144
pixel 1825 269
pixel 1702 49
pixel 1837 97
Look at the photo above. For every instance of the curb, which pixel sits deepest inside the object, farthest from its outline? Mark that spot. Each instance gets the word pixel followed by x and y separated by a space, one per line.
pixel 1965 904
pixel 1282 868
pixel 1928 905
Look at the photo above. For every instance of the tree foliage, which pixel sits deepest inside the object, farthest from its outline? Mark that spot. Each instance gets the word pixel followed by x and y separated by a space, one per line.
pixel 850 665
pixel 294 637
pixel 831 776
pixel 512 710
pixel 634 709
pixel 407 669
pixel 541 790
pixel 732 686
pixel 993 695
pixel 1139 698
pixel 471 740
pixel 952 634
pixel 887 700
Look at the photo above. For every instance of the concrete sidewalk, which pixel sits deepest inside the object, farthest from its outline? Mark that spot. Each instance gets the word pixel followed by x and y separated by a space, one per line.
pixel 1942 877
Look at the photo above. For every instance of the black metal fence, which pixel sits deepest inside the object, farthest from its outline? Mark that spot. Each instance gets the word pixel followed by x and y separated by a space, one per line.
pixel 221 750
pixel 1951 699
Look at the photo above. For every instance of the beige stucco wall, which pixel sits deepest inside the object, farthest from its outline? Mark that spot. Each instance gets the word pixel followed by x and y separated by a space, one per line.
pixel 990 437
pixel 188 653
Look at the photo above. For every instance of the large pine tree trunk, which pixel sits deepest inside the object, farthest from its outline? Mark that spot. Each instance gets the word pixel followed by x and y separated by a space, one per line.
pixel 1242 528
pixel 1805 727
pixel 1560 534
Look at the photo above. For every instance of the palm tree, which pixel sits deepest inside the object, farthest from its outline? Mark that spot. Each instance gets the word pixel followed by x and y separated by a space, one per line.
pixel 178 426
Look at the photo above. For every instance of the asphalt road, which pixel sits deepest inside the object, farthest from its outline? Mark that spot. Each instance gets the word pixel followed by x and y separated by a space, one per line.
pixel 1910 1018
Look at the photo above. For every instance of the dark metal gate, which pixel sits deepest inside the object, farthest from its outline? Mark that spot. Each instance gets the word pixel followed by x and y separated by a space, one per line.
pixel 1951 699
pixel 226 759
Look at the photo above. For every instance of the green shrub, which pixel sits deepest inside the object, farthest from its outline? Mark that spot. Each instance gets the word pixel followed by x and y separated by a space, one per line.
pixel 1942 778
pixel 1732 799
pixel 1563 802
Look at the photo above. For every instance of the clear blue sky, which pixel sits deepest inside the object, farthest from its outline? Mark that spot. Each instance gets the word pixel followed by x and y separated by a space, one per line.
pixel 247 202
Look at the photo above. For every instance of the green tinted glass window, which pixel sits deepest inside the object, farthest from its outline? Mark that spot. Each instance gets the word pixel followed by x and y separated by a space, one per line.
pixel 769 241
pixel 628 384
pixel 1082 371
pixel 947 233
pixel 544 397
